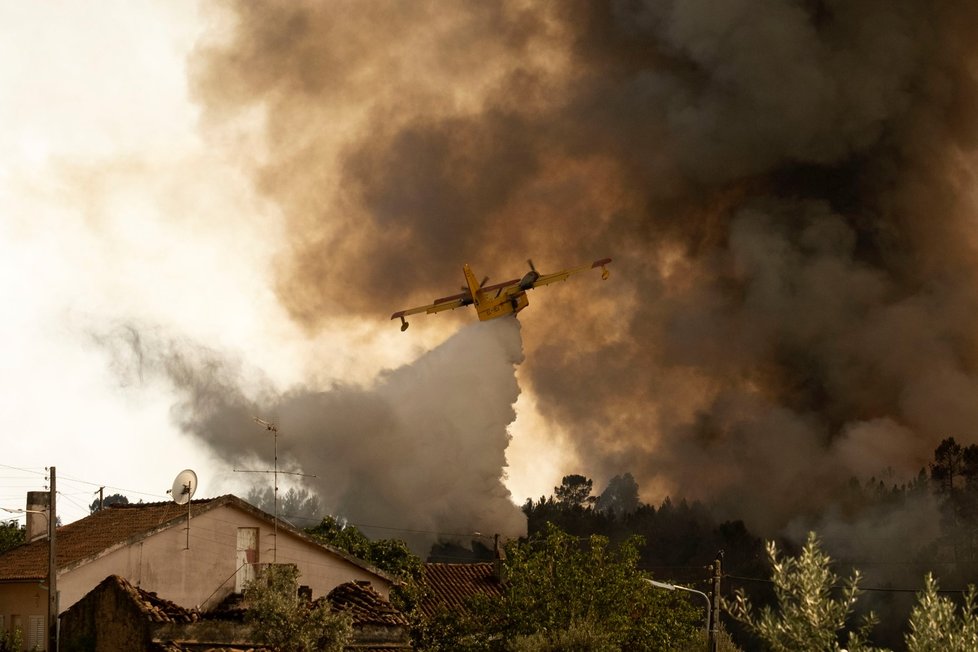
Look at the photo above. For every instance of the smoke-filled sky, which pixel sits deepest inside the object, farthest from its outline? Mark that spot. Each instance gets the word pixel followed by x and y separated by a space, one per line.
pixel 213 208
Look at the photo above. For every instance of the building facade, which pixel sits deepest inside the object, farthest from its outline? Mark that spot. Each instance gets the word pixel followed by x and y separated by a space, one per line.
pixel 193 563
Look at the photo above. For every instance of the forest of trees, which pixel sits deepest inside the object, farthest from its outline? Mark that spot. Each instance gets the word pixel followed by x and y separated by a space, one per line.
pixel 680 538
pixel 677 539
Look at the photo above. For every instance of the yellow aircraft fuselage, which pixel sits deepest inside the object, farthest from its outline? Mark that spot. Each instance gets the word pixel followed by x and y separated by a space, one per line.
pixel 506 301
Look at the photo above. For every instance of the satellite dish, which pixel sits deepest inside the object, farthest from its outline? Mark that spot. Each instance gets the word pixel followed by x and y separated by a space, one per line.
pixel 184 486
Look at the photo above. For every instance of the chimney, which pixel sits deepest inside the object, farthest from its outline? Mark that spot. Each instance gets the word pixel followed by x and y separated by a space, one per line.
pixel 499 561
pixel 37 524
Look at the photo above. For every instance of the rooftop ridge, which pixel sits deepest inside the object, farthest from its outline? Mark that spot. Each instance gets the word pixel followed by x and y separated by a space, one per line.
pixel 197 501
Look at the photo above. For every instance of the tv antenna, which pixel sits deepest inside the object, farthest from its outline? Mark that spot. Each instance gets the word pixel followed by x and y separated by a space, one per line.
pixel 271 427
pixel 184 486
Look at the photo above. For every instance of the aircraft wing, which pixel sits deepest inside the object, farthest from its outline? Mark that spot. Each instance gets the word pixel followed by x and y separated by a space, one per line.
pixel 445 303
pixel 546 279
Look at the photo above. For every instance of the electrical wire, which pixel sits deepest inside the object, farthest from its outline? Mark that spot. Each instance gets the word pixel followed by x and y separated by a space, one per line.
pixel 861 588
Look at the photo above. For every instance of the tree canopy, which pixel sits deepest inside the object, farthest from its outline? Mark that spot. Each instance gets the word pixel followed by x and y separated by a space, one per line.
pixel 297 506
pixel 575 491
pixel 620 497
pixel 806 616
pixel 562 593
pixel 11 535
pixel 390 555
pixel 935 625
pixel 280 618
pixel 108 501
pixel 559 582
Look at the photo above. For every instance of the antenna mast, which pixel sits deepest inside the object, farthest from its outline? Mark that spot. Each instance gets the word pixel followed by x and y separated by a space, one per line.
pixel 271 427
pixel 274 430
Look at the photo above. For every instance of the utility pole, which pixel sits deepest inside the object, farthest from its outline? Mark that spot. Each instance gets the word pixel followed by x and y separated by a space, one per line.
pixel 101 500
pixel 52 566
pixel 714 641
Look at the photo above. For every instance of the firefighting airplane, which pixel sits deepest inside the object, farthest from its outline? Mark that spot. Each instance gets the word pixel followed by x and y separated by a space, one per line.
pixel 492 301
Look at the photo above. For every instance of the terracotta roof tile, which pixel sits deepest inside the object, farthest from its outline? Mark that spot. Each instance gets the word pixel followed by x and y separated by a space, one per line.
pixel 94 534
pixel 170 646
pixel 150 605
pixel 452 585
pixel 365 605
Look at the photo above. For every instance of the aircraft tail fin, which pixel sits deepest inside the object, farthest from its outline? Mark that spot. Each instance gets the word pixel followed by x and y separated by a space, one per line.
pixel 475 288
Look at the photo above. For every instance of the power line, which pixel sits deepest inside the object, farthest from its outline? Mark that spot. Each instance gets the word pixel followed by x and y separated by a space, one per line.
pixel 108 486
pixel 879 589
pixel 69 499
pixel 88 482
pixel 17 468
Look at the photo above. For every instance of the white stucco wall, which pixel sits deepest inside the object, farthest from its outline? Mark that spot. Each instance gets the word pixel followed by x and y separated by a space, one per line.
pixel 162 563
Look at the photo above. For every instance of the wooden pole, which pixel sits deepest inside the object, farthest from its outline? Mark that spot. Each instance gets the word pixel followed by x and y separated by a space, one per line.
pixel 52 567
pixel 715 620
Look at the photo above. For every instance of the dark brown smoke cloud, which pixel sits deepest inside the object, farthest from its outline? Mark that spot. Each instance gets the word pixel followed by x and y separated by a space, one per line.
pixel 787 188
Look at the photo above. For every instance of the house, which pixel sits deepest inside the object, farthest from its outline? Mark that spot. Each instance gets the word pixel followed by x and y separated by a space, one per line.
pixel 192 563
pixel 116 615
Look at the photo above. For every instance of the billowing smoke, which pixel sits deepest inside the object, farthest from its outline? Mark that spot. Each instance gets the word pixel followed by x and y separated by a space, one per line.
pixel 419 454
pixel 787 188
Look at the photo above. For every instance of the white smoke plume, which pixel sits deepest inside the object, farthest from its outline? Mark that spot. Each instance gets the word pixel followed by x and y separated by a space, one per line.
pixel 419 454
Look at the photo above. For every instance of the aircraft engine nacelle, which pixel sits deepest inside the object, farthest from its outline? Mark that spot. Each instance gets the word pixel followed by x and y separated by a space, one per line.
pixel 529 279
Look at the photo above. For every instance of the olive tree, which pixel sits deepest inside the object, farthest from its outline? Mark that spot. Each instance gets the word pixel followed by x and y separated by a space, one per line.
pixel 807 616
pixel 935 625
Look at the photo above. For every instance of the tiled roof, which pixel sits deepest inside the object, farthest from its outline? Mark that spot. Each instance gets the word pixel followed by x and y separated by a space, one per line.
pixel 230 649
pixel 451 585
pixel 157 610
pixel 89 536
pixel 150 605
pixel 366 606
pixel 119 524
pixel 170 646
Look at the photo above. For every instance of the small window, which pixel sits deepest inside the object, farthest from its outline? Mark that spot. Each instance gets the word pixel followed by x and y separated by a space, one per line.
pixel 36 634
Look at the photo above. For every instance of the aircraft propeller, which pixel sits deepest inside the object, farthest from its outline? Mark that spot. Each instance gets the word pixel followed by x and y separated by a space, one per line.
pixel 530 277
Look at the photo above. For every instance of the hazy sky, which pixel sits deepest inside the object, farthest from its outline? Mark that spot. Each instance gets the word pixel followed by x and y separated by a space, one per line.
pixel 113 212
